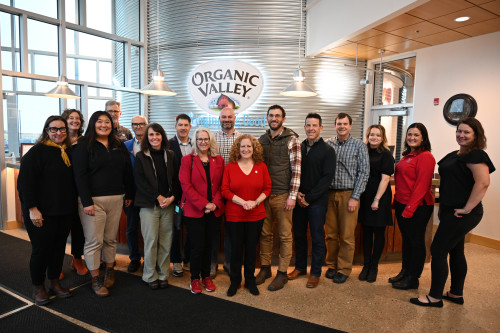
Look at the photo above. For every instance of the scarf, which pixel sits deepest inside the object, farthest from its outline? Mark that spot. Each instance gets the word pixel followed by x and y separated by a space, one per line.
pixel 64 156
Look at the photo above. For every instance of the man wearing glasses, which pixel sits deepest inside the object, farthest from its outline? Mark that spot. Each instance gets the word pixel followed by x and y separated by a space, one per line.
pixel 225 139
pixel 114 110
pixel 283 156
pixel 139 124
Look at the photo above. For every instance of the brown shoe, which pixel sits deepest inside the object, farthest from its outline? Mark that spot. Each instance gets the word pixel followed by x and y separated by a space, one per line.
pixel 40 295
pixel 264 274
pixel 163 284
pixel 98 288
pixel 312 282
pixel 109 277
pixel 79 266
pixel 61 292
pixel 295 274
pixel 279 282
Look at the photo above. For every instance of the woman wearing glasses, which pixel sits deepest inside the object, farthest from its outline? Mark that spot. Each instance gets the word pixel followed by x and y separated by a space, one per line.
pixel 48 199
pixel 103 174
pixel 201 177
pixel 75 121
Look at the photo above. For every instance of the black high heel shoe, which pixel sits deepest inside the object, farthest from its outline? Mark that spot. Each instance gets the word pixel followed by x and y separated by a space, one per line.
pixel 364 274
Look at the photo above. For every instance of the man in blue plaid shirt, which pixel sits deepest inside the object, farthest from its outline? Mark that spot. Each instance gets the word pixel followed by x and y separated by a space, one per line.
pixel 351 175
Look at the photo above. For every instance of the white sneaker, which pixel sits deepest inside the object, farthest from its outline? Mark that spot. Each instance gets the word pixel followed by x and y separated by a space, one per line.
pixel 177 269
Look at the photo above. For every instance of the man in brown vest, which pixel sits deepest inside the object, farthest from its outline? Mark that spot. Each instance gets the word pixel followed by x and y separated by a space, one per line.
pixel 282 155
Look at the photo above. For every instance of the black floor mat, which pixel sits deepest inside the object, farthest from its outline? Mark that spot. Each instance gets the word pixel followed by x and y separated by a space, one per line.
pixel 9 303
pixel 133 307
pixel 36 320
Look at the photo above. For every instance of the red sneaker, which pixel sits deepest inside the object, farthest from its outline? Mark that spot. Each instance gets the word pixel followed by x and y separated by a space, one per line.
pixel 195 286
pixel 208 284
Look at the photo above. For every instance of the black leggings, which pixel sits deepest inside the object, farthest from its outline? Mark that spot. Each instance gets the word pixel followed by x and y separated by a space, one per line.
pixel 77 238
pixel 413 234
pixel 450 238
pixel 373 244
pixel 48 244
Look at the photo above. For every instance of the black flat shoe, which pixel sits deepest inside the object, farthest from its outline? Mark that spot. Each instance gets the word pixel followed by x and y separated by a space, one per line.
pixel 416 301
pixel 364 274
pixel 456 300
pixel 406 283
pixel 233 288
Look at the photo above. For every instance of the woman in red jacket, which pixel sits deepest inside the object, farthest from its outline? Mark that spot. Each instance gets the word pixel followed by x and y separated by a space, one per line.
pixel 203 204
pixel 245 185
pixel 413 203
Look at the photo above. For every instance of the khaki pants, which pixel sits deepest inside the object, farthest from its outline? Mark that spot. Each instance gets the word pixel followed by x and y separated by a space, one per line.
pixel 157 226
pixel 339 229
pixel 101 229
pixel 275 210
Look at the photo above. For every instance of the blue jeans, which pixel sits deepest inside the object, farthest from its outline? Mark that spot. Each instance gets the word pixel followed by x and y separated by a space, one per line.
pixel 133 220
pixel 313 215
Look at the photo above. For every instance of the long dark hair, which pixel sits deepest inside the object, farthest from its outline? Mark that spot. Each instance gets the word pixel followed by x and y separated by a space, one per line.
pixel 91 135
pixel 426 144
pixel 145 145
pixel 45 136
pixel 66 115
pixel 479 142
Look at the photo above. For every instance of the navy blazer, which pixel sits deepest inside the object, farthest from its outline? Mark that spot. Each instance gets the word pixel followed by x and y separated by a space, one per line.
pixel 130 147
pixel 173 145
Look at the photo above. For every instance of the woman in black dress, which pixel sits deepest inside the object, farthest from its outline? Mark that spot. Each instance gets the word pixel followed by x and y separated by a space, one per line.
pixel 48 199
pixel 375 211
pixel 465 177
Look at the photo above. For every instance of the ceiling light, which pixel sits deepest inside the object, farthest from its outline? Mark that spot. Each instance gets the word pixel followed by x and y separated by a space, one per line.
pixel 462 19
pixel 62 90
pixel 299 88
pixel 157 86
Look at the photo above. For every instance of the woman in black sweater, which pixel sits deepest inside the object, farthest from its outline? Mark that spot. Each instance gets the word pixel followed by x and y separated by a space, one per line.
pixel 158 188
pixel 103 174
pixel 48 199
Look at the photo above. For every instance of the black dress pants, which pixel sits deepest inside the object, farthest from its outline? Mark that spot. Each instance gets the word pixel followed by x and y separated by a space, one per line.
pixel 244 237
pixel 450 239
pixel 77 237
pixel 48 244
pixel 413 234
pixel 201 232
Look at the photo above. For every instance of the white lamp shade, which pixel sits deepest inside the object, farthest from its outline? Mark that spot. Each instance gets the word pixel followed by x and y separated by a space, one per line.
pixel 157 86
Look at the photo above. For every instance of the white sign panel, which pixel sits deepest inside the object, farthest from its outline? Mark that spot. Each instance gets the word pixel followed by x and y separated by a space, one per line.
pixel 218 84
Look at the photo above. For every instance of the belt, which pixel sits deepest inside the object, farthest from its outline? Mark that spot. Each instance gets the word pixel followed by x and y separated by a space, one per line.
pixel 342 190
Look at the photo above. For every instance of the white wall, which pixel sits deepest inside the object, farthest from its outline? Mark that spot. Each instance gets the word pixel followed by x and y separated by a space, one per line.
pixel 331 22
pixel 470 66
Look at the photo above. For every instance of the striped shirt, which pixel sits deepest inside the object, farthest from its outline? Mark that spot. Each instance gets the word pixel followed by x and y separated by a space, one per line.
pixel 225 142
pixel 353 165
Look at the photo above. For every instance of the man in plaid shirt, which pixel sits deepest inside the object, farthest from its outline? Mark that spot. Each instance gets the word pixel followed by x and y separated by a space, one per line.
pixel 282 155
pixel 351 176
pixel 225 139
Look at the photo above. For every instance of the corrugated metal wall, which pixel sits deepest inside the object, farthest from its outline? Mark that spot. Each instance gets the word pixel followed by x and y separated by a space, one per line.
pixel 262 33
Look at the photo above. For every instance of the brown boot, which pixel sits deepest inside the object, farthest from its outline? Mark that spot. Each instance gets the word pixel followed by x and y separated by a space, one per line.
pixel 264 274
pixel 40 295
pixel 109 277
pixel 279 282
pixel 98 288
pixel 56 287
pixel 79 266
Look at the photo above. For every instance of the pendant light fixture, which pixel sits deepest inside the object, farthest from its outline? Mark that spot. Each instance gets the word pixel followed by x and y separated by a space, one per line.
pixel 157 86
pixel 299 88
pixel 62 90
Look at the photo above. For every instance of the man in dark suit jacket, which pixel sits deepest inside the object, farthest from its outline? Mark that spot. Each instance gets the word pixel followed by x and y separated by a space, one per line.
pixel 139 124
pixel 181 145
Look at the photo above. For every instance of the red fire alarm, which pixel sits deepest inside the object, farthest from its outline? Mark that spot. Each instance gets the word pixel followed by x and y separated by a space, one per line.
pixel 436 101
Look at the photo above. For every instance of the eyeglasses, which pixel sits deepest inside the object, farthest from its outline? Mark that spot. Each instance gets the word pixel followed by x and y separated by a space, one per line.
pixel 112 111
pixel 203 139
pixel 277 116
pixel 138 124
pixel 54 130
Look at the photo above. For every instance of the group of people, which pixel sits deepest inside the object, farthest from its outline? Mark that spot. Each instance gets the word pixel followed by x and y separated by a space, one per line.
pixel 257 188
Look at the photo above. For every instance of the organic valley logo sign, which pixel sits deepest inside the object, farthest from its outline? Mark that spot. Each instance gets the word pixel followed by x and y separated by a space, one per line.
pixel 217 84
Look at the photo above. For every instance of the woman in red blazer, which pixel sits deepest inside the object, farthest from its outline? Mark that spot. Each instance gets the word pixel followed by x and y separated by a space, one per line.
pixel 203 204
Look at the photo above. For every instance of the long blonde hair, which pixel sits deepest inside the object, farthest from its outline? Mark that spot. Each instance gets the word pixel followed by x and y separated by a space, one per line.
pixel 212 149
